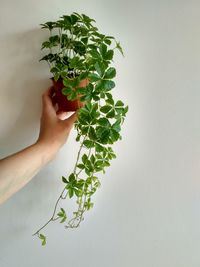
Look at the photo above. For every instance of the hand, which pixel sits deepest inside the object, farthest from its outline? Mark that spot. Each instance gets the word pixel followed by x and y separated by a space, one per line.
pixel 54 129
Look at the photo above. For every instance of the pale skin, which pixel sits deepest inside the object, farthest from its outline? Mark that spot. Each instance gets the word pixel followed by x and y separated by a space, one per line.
pixel 18 169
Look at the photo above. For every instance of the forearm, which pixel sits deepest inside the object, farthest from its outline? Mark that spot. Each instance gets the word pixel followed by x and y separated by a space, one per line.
pixel 18 169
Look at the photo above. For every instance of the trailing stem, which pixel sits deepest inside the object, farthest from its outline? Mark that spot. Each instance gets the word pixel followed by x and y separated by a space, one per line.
pixel 61 195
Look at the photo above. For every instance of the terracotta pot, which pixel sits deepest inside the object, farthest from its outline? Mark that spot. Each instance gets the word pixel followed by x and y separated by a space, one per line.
pixel 63 103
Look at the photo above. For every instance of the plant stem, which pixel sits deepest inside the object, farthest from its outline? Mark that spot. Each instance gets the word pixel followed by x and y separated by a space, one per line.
pixel 52 217
pixel 79 152
pixel 60 35
pixel 82 212
pixel 61 195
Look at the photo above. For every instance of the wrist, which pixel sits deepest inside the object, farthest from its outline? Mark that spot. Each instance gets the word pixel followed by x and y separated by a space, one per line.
pixel 48 150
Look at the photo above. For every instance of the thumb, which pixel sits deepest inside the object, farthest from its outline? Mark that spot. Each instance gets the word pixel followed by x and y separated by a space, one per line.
pixel 61 114
pixel 70 120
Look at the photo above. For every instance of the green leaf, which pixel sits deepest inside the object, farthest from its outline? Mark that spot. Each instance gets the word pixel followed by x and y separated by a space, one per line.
pixel 93 77
pixel 94 53
pixel 46 44
pixel 83 75
pixel 88 143
pixel 81 90
pixel 43 242
pixel 119 103
pixel 103 50
pixel 92 134
pixel 67 82
pixel 106 163
pixel 74 19
pixel 62 215
pixel 63 211
pixel 99 86
pixel 87 171
pixel 111 114
pixel 108 85
pixel 100 68
pixel 79 48
pixel 107 41
pixel 77 192
pixel 105 109
pixel 48 25
pixel 114 135
pixel 72 96
pixel 73 62
pixel 118 46
pixel 109 96
pixel 64 180
pixel 84 40
pixel 110 101
pixel 71 192
pixel 92 158
pixel 43 238
pixel 117 126
pixel 81 166
pixel 80 183
pixel 49 57
pixel 104 122
pixel 110 73
pixel 67 90
pixel 87 19
pixel 126 109
pixel 84 158
pixel 102 95
pixel 54 40
pixel 72 177
pixel 109 55
pixel 111 154
pixel 110 37
pixel 99 148
pixel 63 219
pixel 56 76
pixel 103 134
pixel 104 85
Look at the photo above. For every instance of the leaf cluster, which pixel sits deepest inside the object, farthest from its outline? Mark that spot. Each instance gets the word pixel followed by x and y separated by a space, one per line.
pixel 75 44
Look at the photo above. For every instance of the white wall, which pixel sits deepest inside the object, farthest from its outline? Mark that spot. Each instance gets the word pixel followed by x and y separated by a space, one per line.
pixel 147 212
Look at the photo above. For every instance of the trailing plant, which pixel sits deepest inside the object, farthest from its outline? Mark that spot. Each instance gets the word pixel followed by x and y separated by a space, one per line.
pixel 77 51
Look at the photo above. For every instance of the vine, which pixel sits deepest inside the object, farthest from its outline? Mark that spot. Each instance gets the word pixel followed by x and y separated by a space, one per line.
pixel 78 51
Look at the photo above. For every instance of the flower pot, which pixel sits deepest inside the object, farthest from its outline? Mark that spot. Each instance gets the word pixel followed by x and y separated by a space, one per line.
pixel 63 103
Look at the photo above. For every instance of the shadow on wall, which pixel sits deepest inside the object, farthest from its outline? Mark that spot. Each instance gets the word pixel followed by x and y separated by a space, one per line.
pixel 23 79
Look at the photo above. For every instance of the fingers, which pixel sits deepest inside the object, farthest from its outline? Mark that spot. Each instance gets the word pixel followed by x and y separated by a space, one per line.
pixel 61 114
pixel 47 101
pixel 70 120
pixel 49 92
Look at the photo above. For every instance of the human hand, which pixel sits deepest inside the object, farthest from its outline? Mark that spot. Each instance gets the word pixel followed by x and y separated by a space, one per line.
pixel 54 127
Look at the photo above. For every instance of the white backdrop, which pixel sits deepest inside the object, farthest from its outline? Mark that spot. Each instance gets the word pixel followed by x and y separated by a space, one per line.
pixel 147 212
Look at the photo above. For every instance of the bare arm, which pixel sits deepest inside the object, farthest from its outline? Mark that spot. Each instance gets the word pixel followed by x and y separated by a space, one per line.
pixel 18 169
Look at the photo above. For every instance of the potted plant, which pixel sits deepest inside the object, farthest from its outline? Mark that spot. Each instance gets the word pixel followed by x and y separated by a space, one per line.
pixel 80 60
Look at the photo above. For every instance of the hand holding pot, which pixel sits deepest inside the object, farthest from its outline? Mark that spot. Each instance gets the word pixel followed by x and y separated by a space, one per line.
pixel 54 130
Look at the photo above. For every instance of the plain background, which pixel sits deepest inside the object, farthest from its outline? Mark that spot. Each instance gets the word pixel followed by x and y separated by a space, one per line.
pixel 147 212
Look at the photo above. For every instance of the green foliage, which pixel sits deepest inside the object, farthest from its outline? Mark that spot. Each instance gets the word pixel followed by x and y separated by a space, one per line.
pixel 76 44
pixel 62 215
pixel 76 50
pixel 43 239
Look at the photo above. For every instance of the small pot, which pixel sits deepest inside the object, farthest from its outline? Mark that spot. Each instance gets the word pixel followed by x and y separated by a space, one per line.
pixel 63 103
